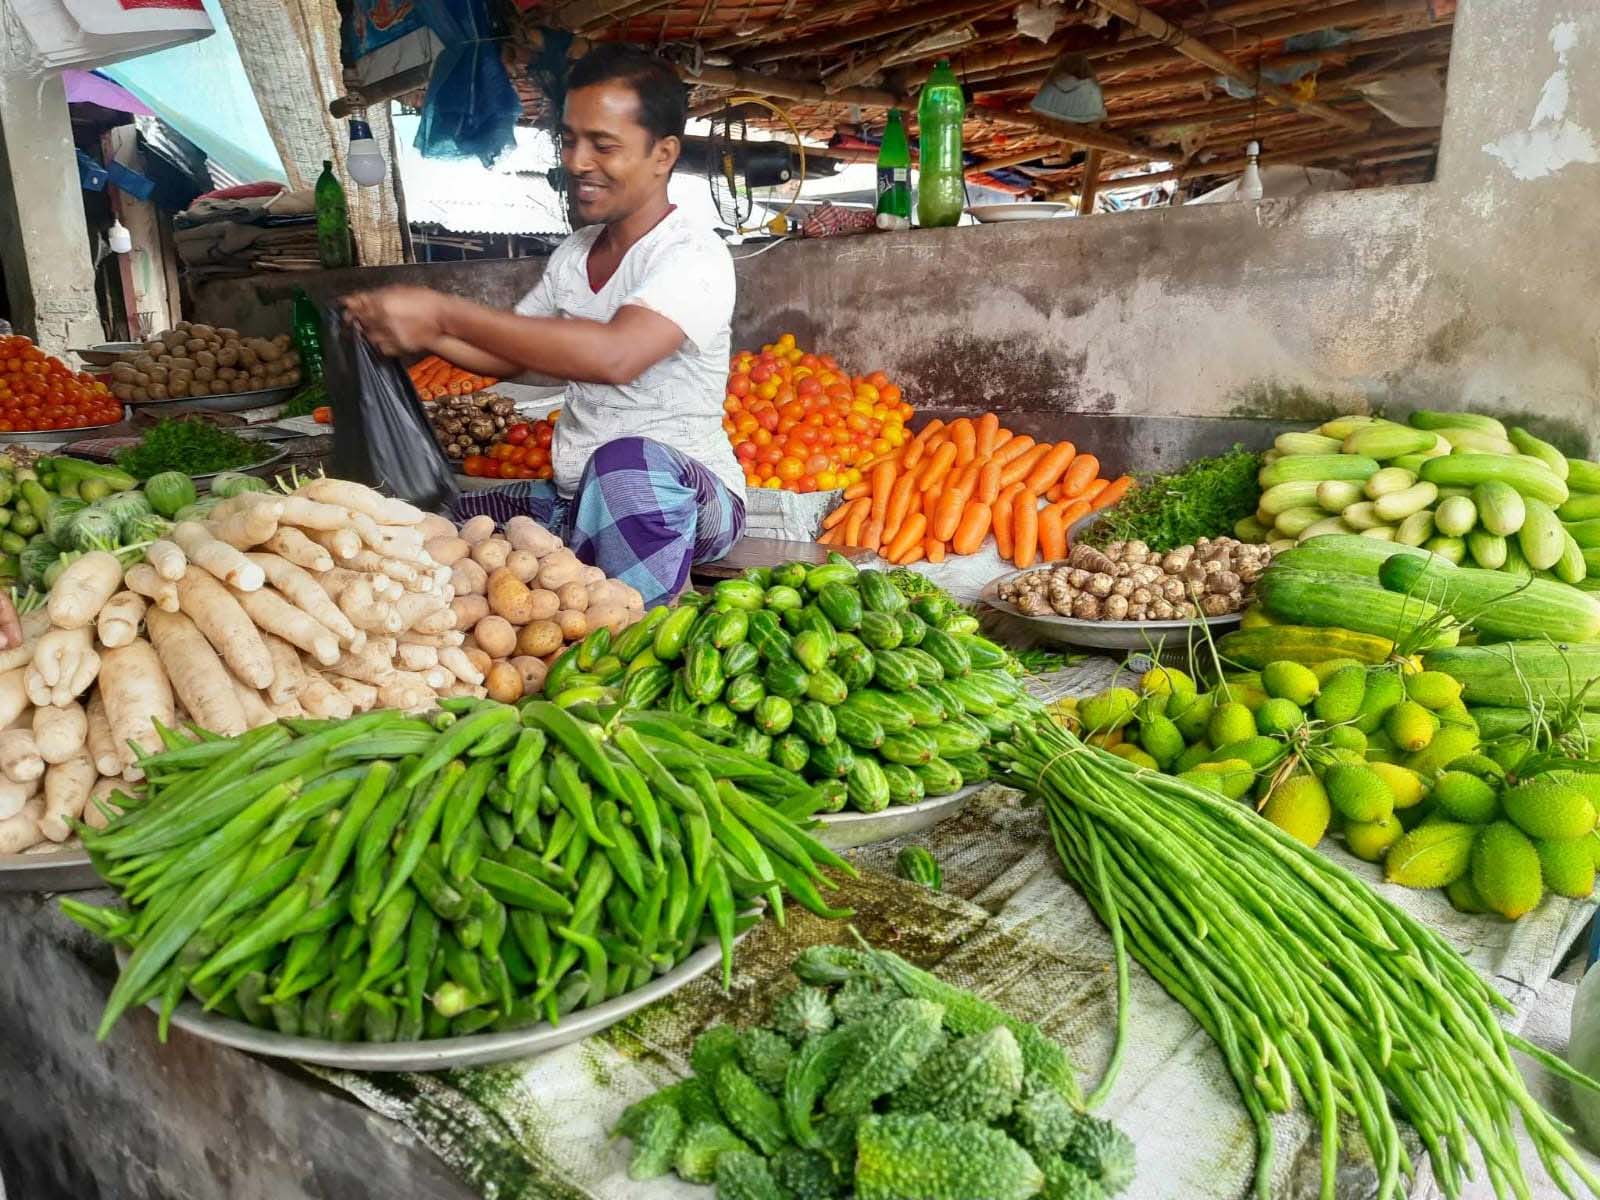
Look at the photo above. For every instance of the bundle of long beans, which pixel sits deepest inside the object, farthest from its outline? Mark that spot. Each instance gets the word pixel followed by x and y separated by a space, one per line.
pixel 1307 980
pixel 391 877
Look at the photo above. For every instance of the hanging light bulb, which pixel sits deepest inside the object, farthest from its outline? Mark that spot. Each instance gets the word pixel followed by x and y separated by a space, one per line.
pixel 118 238
pixel 1250 185
pixel 365 160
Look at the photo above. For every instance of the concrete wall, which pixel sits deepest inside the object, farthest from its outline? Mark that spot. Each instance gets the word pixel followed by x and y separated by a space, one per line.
pixel 1480 289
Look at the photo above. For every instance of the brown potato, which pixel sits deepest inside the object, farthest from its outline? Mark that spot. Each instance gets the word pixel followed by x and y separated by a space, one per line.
pixel 491 553
pixel 612 616
pixel 608 591
pixel 496 636
pixel 448 550
pixel 573 595
pixel 527 534
pixel 574 625
pixel 509 596
pixel 504 682
pixel 522 564
pixel 533 673
pixel 477 529
pixel 555 570
pixel 468 578
pixel 539 638
pixel 546 604
pixel 470 610
pixel 592 575
pixel 481 661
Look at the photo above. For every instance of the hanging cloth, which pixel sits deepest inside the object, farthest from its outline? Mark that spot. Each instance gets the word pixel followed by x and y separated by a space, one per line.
pixel 471 108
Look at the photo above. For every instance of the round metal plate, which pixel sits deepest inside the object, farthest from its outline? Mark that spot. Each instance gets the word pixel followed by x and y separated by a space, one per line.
pixel 1102 635
pixel 439 1054
pixel 846 831
pixel 107 353
pixel 229 403
pixel 1038 211
pixel 60 437
pixel 262 468
pixel 64 869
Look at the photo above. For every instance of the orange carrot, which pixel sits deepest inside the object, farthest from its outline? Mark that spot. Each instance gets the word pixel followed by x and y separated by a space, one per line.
pixel 1012 449
pixel 1112 492
pixel 871 535
pixel 1024 528
pixel 899 504
pixel 937 467
pixel 829 537
pixel 1052 495
pixel 1002 519
pixel 1019 468
pixel 966 478
pixel 931 429
pixel 856 490
pixel 988 429
pixel 934 549
pixel 988 485
pixel 974 527
pixel 912 454
pixel 857 519
pixel 911 534
pixel 1003 438
pixel 929 502
pixel 1048 469
pixel 882 482
pixel 966 443
pixel 1052 535
pixel 1078 476
pixel 839 515
pixel 1093 490
pixel 915 555
pixel 1072 510
pixel 947 514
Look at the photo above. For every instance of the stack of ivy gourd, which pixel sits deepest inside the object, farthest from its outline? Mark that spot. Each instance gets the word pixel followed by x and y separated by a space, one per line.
pixel 824 670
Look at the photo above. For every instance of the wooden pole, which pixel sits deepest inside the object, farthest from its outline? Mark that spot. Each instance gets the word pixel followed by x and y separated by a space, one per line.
pixel 1091 182
pixel 588 16
pixel 1087 136
pixel 865 67
pixel 1192 47
pixel 754 82
pixel 908 17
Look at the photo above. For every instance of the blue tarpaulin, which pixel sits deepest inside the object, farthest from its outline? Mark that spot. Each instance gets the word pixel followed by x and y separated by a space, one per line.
pixel 201 90
pixel 471 108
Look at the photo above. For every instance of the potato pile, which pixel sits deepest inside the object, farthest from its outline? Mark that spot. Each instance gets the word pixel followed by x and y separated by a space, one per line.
pixel 202 360
pixel 523 596
pixel 1128 581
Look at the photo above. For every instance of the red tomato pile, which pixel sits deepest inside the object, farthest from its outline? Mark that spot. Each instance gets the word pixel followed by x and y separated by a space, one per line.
pixel 40 392
pixel 523 452
pixel 799 422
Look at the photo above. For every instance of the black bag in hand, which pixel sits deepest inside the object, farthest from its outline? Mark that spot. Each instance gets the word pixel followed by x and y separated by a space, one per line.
pixel 381 436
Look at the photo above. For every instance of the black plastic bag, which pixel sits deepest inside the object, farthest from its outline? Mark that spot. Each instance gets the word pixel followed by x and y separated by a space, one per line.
pixel 381 436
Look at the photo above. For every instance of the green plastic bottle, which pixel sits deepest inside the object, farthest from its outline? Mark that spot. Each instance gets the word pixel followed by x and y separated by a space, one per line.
pixel 307 332
pixel 333 220
pixel 941 190
pixel 894 175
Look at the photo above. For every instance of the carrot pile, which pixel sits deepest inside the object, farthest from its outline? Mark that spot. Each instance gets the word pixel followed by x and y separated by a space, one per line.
pixel 434 377
pixel 952 486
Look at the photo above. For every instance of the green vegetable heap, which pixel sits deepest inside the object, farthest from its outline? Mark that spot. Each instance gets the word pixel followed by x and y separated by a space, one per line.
pixel 877 1080
pixel 1205 499
pixel 192 446
pixel 391 877
pixel 819 669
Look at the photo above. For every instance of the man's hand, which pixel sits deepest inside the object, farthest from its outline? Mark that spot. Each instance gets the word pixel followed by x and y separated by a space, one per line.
pixel 398 320
pixel 10 627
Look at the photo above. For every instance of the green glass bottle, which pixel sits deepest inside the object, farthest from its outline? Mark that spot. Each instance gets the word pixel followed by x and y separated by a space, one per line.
pixel 333 220
pixel 941 188
pixel 894 175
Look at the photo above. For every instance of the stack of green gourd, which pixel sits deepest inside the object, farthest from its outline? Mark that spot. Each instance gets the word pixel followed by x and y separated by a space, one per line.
pixel 390 877
pixel 820 669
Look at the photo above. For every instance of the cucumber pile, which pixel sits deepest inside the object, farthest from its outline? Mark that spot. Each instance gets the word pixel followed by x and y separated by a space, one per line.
pixel 1460 484
pixel 389 877
pixel 819 669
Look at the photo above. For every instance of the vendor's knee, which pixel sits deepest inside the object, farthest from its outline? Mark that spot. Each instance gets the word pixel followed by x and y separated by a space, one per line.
pixel 622 454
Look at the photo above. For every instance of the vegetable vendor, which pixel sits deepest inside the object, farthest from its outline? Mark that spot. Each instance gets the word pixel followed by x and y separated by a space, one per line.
pixel 633 313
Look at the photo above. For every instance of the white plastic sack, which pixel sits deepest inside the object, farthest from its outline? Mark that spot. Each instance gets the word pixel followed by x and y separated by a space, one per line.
pixel 92 33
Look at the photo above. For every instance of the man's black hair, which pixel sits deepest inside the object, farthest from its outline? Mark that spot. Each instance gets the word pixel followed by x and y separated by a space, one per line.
pixel 663 99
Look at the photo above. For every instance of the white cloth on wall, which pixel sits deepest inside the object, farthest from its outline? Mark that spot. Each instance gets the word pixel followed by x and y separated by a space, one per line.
pixel 290 51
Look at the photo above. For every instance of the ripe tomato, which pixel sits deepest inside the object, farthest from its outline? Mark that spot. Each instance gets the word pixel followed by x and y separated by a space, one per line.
pixel 518 433
pixel 789 468
pixel 739 385
pixel 745 451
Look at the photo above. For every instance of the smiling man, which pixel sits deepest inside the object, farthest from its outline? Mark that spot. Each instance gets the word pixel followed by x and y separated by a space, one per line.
pixel 633 312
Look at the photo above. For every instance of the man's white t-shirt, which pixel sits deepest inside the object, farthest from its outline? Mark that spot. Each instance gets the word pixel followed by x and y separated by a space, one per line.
pixel 682 271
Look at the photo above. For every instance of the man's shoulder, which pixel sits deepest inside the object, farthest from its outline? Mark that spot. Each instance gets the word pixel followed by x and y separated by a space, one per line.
pixel 683 232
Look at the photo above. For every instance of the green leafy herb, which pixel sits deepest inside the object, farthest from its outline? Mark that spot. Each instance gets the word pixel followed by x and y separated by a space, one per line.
pixel 307 400
pixel 191 446
pixel 1204 499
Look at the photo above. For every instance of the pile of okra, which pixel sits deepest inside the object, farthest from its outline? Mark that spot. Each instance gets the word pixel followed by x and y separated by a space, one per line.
pixel 486 867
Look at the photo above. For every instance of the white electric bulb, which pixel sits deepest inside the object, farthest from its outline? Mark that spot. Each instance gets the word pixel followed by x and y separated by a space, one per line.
pixel 1250 187
pixel 365 160
pixel 118 237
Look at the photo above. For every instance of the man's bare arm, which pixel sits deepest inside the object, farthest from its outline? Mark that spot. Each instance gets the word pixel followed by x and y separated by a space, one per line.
pixel 616 351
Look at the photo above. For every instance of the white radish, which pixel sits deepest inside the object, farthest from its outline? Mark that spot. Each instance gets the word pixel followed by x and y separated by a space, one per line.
pixel 218 559
pixel 299 510
pixel 407 692
pixel 142 578
pixel 83 588
pixel 19 827
pixel 66 791
pixel 60 731
pixel 362 696
pixel 120 619
pixel 417 658
pixel 64 666
pixel 374 563
pixel 343 544
pixel 437 677
pixel 256 712
pixel 465 689
pixel 287 673
pixel 198 676
pixel 359 498
pixel 455 660
pixel 321 699
pixel 169 561
pixel 286 708
pixel 366 611
pixel 273 614
pixel 226 626
pixel 101 741
pixel 295 546
pixel 302 590
pixel 13 696
pixel 441 620
pixel 19 756
pixel 250 524
pixel 35 625
pixel 97 813
pixel 137 691
pixel 369 666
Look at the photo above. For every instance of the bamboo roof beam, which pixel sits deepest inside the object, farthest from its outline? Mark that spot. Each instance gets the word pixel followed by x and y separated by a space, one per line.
pixel 1091 182
pixel 1088 136
pixel 1203 53
pixel 846 10
pixel 909 17
pixel 732 79
pixel 872 63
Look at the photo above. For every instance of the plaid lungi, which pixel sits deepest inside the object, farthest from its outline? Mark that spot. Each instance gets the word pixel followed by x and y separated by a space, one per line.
pixel 643 513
